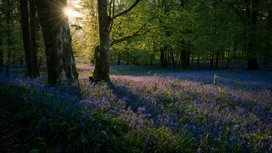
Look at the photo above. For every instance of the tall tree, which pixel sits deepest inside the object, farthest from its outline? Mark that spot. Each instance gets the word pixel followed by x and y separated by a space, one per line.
pixel 248 11
pixel 268 38
pixel 106 15
pixel 1 38
pixel 8 22
pixel 1 52
pixel 33 38
pixel 27 8
pixel 57 39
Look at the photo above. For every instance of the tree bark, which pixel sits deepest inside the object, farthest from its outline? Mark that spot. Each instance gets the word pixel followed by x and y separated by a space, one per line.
pixel 162 57
pixel 188 53
pixel 1 53
pixel 251 33
pixel 119 58
pixel 212 60
pixel 183 56
pixel 101 71
pixel 268 44
pixel 8 38
pixel 60 61
pixel 217 59
pixel 127 57
pixel 183 59
pixel 173 59
pixel 33 39
pixel 228 58
pixel 26 34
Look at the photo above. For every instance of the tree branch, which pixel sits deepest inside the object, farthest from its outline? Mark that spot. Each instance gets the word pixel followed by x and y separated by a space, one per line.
pixel 112 13
pixel 125 11
pixel 135 34
pixel 234 8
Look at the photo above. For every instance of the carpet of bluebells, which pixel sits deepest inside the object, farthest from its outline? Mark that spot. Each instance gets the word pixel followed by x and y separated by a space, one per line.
pixel 188 111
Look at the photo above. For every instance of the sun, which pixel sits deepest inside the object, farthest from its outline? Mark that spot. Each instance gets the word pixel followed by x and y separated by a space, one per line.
pixel 69 12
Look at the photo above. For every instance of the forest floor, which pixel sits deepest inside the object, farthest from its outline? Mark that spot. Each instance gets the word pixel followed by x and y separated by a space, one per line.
pixel 14 134
pixel 238 97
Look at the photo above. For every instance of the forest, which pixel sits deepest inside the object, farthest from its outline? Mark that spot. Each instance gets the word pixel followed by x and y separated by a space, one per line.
pixel 136 76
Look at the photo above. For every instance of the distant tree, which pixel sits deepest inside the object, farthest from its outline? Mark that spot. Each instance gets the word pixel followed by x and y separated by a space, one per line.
pixel 1 38
pixel 1 52
pixel 248 11
pixel 8 35
pixel 56 34
pixel 106 15
pixel 33 37
pixel 268 34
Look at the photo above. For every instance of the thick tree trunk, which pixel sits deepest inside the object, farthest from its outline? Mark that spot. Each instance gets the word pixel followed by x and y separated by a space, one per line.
pixel 61 67
pixel 101 71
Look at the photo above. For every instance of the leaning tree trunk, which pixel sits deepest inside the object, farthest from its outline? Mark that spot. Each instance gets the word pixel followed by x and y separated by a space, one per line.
pixel 57 39
pixel 101 71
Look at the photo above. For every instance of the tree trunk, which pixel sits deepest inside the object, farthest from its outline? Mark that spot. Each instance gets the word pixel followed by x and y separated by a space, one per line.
pixel 101 71
pixel 127 58
pixel 228 58
pixel 26 35
pixel 61 67
pixel 8 38
pixel 162 57
pixel 173 59
pixel 198 56
pixel 188 54
pixel 212 60
pixel 119 58
pixel 268 44
pixel 217 59
pixel 1 53
pixel 183 59
pixel 251 33
pixel 33 39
